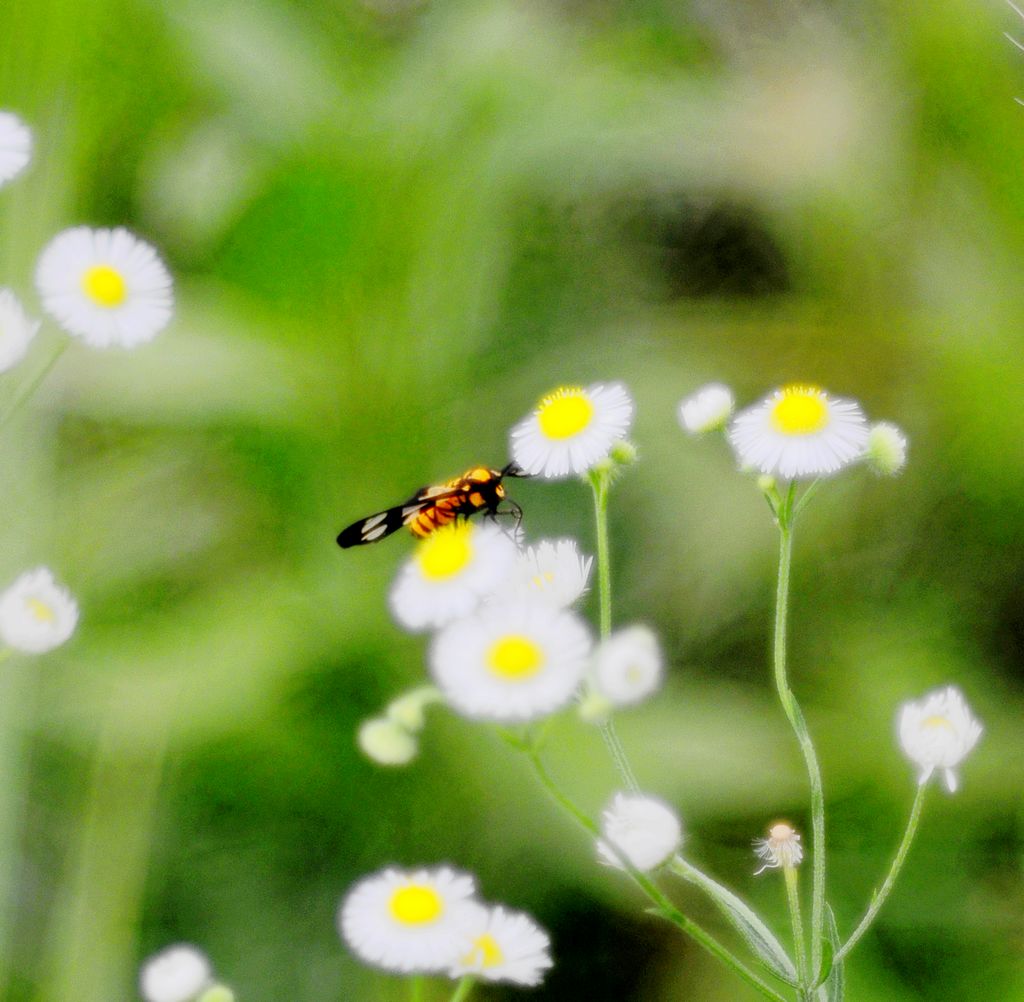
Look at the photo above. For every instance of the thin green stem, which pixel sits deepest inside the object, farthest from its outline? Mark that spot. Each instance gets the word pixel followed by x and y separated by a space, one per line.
pixel 25 392
pixel 793 900
pixel 417 988
pixel 894 871
pixel 796 720
pixel 599 483
pixel 462 990
pixel 663 905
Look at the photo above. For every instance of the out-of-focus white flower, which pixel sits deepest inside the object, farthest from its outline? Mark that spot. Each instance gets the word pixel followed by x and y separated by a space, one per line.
pixel 707 410
pixel 16 330
pixel 937 732
pixel 15 146
pixel 410 921
pixel 886 451
pixel 628 665
pixel 553 570
pixel 572 429
pixel 506 946
pixel 511 661
pixel 645 830
pixel 180 973
pixel 781 849
pixel 36 614
pixel 386 742
pixel 450 573
pixel 106 287
pixel 799 431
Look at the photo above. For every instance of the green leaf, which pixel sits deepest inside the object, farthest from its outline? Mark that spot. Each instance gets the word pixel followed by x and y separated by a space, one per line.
pixel 745 921
pixel 834 989
pixel 827 952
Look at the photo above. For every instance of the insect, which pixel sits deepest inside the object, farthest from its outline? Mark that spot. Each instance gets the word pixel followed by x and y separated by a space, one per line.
pixel 478 489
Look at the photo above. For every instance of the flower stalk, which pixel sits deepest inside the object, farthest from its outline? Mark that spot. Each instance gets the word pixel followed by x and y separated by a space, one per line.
pixel 878 899
pixel 462 989
pixel 785 518
pixel 600 481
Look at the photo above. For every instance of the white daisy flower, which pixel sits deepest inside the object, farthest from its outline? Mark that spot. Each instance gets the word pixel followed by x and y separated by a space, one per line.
pixel 36 614
pixel 628 665
pixel 937 732
pixel 386 742
pixel 553 570
pixel 781 849
pixel 506 946
pixel 572 429
pixel 511 662
pixel 180 973
pixel 450 572
pixel 16 330
pixel 410 922
pixel 886 452
pixel 799 431
pixel 15 146
pixel 106 287
pixel 645 830
pixel 707 410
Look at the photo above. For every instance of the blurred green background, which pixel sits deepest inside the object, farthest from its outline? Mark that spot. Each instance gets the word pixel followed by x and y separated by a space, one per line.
pixel 393 225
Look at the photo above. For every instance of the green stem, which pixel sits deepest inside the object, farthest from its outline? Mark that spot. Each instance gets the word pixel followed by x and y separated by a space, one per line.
pixel 417 988
pixel 27 389
pixel 462 989
pixel 793 900
pixel 894 871
pixel 796 720
pixel 599 483
pixel 663 905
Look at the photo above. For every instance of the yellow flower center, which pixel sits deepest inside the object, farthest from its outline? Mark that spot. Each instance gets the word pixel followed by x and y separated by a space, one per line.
pixel 933 722
pixel 445 552
pixel 541 581
pixel 41 611
pixel 416 904
pixel 514 658
pixel 801 410
pixel 565 413
pixel 485 952
pixel 104 285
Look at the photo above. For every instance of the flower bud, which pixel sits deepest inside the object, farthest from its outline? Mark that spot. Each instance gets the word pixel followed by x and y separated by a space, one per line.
pixel 386 743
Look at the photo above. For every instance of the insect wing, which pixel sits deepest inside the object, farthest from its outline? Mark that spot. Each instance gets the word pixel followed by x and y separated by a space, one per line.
pixel 383 523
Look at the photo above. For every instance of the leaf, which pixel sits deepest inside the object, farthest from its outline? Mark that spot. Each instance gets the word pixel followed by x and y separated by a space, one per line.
pixel 827 952
pixel 834 989
pixel 744 920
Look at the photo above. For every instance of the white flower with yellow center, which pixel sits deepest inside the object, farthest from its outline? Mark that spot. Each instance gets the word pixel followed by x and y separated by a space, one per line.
pixel 511 662
pixel 707 410
pixel 937 732
pixel 386 742
pixel 450 572
pixel 553 570
pixel 643 829
pixel 16 330
pixel 799 431
pixel 572 429
pixel 410 921
pixel 781 849
pixel 36 614
pixel 15 146
pixel 628 665
pixel 886 451
pixel 505 946
pixel 106 287
pixel 179 973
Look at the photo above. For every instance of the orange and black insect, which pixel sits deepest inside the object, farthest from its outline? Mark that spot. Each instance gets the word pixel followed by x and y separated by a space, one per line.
pixel 479 489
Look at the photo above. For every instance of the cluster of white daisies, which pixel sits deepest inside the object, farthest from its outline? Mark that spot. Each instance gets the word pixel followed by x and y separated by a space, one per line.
pixel 106 287
pixel 796 431
pixel 429 921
